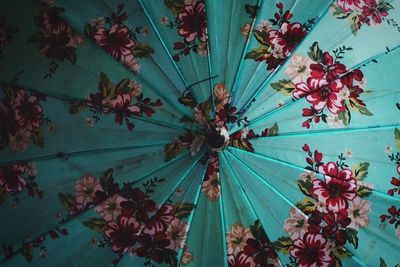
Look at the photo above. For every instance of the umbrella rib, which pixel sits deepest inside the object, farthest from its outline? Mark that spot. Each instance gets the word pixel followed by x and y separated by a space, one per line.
pixel 281 109
pixel 141 80
pixel 71 218
pixel 191 216
pixel 221 210
pixel 237 182
pixel 283 197
pixel 162 42
pixel 67 155
pixel 291 102
pixel 167 51
pixel 288 201
pixel 163 166
pixel 228 41
pixel 66 99
pixel 275 71
pixel 179 108
pixel 184 176
pixel 195 69
pixel 260 2
pixel 210 74
pixel 227 48
pixel 294 166
pixel 336 131
pixel 239 68
pixel 253 76
pixel 376 56
pixel 176 90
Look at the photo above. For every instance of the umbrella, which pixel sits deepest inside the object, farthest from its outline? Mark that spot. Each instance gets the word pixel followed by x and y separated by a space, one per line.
pixel 200 133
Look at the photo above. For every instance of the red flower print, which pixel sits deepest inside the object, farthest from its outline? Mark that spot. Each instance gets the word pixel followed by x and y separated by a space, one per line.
pixel 317 156
pixel 395 182
pixel 241 260
pixel 192 22
pixel 393 217
pixel 338 188
pixel 330 85
pixel 226 115
pixel 160 221
pixel 50 21
pixel 362 12
pixel 328 68
pixel 11 179
pixel 306 148
pixel 123 234
pixel 56 46
pixel 187 139
pixel 56 40
pixel 115 41
pixel 138 206
pixel 126 101
pixel 21 117
pixel 272 61
pixel 348 5
pixel 355 93
pixel 349 78
pixel 154 247
pixel 371 9
pixel 279 37
pixel 321 94
pixel 123 107
pixel 86 190
pixel 287 37
pixel 311 251
pixel 336 226
pixel 261 250
pixel 118 38
pixel 27 111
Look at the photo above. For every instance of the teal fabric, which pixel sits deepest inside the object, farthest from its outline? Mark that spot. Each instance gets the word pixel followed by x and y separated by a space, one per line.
pixel 106 113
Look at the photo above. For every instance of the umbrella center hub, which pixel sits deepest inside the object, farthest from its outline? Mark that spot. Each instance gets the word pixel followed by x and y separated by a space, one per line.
pixel 217 139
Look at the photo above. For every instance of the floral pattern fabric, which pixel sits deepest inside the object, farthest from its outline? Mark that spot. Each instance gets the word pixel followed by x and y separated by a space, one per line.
pixel 277 38
pixel 125 99
pixel 22 118
pixel 191 23
pixel 57 41
pixel 361 12
pixel 332 90
pixel 392 215
pixel 328 219
pixel 118 40
pixel 249 247
pixel 150 220
pixel 130 221
pixel 15 179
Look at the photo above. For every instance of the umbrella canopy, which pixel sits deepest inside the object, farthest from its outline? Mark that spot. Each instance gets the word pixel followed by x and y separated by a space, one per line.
pixel 200 133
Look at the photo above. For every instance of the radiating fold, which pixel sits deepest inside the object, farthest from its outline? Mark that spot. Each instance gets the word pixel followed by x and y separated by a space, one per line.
pixel 312 72
pixel 246 239
pixel 116 187
pixel 57 129
pixel 182 28
pixel 278 29
pixel 92 69
pixel 298 193
pixel 110 114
